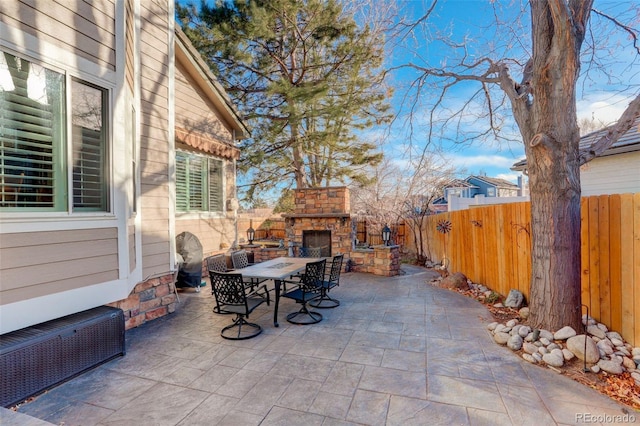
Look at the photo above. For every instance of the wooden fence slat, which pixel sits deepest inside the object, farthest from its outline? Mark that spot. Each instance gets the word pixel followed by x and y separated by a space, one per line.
pixel 502 262
pixel 584 253
pixel 636 266
pixel 464 243
pixel 491 236
pixel 603 250
pixel 594 258
pixel 615 319
pixel 523 225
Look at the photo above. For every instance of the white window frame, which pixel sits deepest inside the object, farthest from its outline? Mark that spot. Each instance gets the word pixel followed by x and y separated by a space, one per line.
pixel 69 74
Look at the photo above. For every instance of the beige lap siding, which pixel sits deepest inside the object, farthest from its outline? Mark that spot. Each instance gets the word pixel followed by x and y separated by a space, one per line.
pixel 195 113
pixel 132 246
pixel 42 263
pixel 85 28
pixel 154 138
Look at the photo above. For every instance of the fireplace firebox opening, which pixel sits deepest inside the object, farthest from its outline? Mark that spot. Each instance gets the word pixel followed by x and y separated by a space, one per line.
pixel 320 239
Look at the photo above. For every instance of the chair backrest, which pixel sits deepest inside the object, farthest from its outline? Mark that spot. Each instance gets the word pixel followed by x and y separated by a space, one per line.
pixel 217 263
pixel 310 252
pixel 228 289
pixel 239 259
pixel 313 274
pixel 336 268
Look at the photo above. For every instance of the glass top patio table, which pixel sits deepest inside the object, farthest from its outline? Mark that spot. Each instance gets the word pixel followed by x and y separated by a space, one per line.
pixel 277 269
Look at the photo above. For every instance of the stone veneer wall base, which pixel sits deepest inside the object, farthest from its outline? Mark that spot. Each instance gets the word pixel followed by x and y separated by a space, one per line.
pixel 149 300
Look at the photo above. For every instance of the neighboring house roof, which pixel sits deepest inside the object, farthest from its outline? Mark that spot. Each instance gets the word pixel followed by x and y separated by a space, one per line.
pixel 440 200
pixel 497 182
pixel 458 183
pixel 209 84
pixel 628 142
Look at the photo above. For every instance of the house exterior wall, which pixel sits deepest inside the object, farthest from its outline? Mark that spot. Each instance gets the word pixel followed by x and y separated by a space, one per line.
pixel 203 130
pixel 55 264
pixel 613 174
pixel 459 203
pixel 194 112
pixel 56 261
pixel 155 136
pixel 484 188
pixel 507 192
pixel 86 30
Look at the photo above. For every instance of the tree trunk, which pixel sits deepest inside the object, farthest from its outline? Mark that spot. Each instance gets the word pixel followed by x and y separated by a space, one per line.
pixel 552 147
pixel 298 161
pixel 555 230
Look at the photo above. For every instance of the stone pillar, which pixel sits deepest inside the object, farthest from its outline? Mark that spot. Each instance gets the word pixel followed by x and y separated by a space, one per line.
pixel 379 260
pixel 387 260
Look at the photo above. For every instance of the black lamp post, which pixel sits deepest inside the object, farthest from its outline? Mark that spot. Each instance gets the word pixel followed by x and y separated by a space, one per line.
pixel 386 235
pixel 251 233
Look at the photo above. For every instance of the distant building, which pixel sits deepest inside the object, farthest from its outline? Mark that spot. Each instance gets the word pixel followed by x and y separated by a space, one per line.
pixel 479 190
pixel 615 171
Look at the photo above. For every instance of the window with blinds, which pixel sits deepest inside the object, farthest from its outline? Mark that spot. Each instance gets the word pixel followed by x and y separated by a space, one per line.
pixel 88 135
pixel 31 136
pixel 199 183
pixel 34 142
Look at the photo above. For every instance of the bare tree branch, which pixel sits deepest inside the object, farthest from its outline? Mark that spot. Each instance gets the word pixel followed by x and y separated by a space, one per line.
pixel 613 134
pixel 629 30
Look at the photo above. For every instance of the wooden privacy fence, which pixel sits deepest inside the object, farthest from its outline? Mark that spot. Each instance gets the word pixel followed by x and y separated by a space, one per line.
pixel 371 234
pixel 492 245
pixel 265 228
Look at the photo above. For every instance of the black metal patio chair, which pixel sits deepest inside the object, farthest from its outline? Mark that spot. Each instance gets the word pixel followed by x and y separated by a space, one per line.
pixel 331 280
pixel 216 263
pixel 231 297
pixel 308 288
pixel 310 252
pixel 240 260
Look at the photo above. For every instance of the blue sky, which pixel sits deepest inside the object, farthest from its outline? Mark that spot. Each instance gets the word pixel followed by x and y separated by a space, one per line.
pixel 600 97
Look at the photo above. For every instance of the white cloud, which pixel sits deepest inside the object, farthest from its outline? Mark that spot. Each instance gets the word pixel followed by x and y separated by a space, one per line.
pixel 511 177
pixel 603 107
pixel 482 161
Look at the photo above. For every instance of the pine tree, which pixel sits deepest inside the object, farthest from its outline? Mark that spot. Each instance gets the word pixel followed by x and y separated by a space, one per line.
pixel 307 80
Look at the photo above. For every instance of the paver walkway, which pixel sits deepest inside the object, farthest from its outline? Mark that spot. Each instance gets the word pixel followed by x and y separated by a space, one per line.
pixel 395 352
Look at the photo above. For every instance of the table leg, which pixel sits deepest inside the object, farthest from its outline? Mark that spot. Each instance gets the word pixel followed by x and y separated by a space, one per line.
pixel 275 311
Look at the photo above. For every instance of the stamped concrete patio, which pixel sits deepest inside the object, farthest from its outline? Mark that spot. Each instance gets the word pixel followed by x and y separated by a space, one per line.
pixel 396 352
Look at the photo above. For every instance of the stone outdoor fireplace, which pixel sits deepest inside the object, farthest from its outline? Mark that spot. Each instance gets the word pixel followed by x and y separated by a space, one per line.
pixel 321 218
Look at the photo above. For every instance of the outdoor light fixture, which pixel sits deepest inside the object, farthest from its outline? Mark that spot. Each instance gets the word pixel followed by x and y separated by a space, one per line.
pixel 386 235
pixel 251 233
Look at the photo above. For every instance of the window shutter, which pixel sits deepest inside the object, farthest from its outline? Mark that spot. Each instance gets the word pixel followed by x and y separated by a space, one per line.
pixel 196 181
pixel 199 183
pixel 215 185
pixel 181 182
